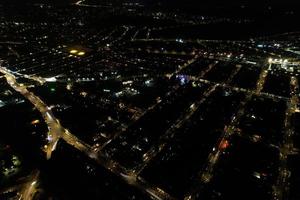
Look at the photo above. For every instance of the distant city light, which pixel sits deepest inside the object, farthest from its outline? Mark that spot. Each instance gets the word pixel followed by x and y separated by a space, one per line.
pixel 69 87
pixel 76 52
pixel 260 46
pixel 73 51
pixel 81 53
pixel 270 60
pixel 49 138
pixel 224 144
pixel 52 79
pixel 2 104
pixel 179 40
pixel 34 122
pixel 83 93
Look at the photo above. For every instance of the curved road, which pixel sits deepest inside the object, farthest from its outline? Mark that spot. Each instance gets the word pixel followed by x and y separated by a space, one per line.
pixel 56 131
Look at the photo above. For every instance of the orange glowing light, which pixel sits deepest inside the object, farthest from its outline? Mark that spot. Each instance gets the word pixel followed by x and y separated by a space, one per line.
pixel 34 122
pixel 224 144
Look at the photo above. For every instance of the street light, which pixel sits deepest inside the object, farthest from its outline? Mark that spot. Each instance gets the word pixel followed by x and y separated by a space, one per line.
pixel 73 51
pixel 270 60
pixel 81 53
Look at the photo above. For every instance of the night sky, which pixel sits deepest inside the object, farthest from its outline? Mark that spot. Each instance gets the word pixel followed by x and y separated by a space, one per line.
pixel 171 2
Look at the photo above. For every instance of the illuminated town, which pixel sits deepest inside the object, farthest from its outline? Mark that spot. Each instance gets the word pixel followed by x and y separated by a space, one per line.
pixel 141 100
